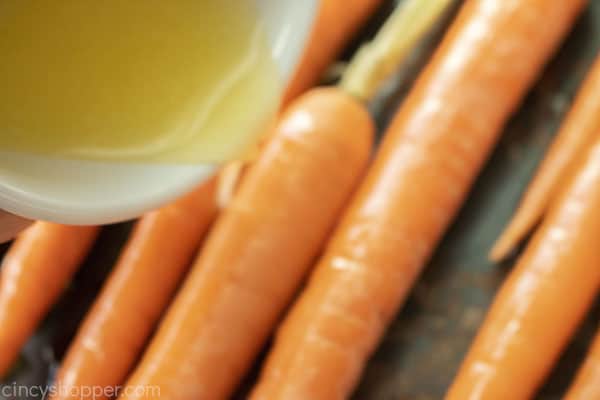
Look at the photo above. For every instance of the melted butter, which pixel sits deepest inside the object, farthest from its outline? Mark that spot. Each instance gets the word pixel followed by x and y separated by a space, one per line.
pixel 177 81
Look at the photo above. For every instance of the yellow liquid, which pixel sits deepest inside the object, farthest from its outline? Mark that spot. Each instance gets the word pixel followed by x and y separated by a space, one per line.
pixel 182 81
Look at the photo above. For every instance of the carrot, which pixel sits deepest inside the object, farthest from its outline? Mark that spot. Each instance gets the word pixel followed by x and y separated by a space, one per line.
pixel 137 292
pixel 543 300
pixel 258 251
pixel 577 132
pixel 337 21
pixel 428 160
pixel 263 245
pixel 36 269
pixel 585 386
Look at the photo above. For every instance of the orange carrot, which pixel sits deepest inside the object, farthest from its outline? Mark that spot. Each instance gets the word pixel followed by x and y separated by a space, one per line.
pixel 259 250
pixel 337 21
pixel 431 154
pixel 138 290
pixel 577 132
pixel 586 385
pixel 543 300
pixel 36 269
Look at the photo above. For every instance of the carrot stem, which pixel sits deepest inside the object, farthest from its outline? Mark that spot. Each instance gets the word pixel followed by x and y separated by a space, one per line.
pixel 337 22
pixel 376 61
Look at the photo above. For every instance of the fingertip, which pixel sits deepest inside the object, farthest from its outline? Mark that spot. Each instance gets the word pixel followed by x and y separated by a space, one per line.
pixel 11 225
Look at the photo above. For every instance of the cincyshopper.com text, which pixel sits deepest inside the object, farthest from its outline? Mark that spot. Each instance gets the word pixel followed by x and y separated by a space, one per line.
pixel 30 392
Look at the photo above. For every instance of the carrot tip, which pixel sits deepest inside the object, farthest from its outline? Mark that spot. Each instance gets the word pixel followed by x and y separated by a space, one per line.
pixel 501 249
pixel 520 225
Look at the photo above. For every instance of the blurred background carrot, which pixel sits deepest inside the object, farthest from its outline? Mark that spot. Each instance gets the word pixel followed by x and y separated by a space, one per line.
pixel 138 290
pixel 37 268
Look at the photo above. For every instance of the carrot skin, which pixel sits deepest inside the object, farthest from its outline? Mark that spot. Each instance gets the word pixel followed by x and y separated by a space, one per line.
pixel 543 300
pixel 585 386
pixel 259 250
pixel 137 292
pixel 430 156
pixel 35 271
pixel 577 133
pixel 337 21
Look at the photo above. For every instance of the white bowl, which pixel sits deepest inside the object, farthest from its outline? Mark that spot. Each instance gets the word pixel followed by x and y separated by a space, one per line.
pixel 88 192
